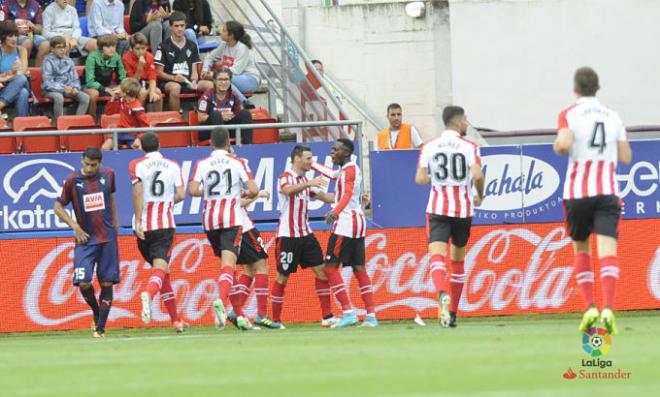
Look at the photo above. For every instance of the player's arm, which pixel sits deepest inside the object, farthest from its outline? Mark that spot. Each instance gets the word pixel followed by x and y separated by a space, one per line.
pixel 564 141
pixel 81 236
pixel 292 190
pixel 195 189
pixel 325 171
pixel 252 189
pixel 115 214
pixel 349 179
pixel 326 197
pixel 479 182
pixel 422 177
pixel 624 152
pixel 138 208
pixel 179 188
pixel 247 201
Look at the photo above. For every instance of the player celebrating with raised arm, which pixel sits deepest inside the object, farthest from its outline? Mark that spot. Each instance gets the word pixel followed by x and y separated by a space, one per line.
pixel 157 186
pixel 296 244
pixel 218 178
pixel 594 138
pixel 346 244
pixel 91 193
pixel 450 163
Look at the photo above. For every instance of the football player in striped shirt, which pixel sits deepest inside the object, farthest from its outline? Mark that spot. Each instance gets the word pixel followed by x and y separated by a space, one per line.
pixel 450 164
pixel 219 178
pixel 594 138
pixel 157 187
pixel 346 245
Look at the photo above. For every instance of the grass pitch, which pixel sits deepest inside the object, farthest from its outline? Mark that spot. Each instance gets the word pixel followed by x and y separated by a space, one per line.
pixel 499 356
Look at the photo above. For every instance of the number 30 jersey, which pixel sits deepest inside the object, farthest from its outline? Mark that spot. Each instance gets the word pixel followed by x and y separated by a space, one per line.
pixel 222 175
pixel 593 157
pixel 160 177
pixel 448 159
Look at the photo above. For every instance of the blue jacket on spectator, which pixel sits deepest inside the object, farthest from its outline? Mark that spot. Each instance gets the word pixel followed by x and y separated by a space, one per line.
pixel 58 73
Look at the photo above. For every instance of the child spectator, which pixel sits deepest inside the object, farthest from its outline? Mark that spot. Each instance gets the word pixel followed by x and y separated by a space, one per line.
pixel 60 78
pixel 139 64
pixel 28 18
pixel 103 70
pixel 131 115
pixel 14 86
pixel 61 19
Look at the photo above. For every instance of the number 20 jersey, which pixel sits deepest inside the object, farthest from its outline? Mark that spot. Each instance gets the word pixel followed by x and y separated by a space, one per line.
pixel 221 175
pixel 593 157
pixel 448 159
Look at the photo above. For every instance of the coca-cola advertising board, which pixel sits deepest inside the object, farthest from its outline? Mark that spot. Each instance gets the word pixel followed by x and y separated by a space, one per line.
pixel 510 269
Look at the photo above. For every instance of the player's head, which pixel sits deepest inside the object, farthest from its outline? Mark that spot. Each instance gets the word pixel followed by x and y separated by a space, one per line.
pixel 455 119
pixel 91 161
pixel 394 115
pixel 177 24
pixel 138 44
pixel 150 142
pixel 301 158
pixel 318 65
pixel 130 87
pixel 220 138
pixel 585 82
pixel 341 151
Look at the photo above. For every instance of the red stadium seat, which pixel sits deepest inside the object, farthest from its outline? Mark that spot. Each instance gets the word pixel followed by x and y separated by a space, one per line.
pixel 36 144
pixel 7 144
pixel 193 120
pixel 170 119
pixel 78 143
pixel 127 24
pixel 264 135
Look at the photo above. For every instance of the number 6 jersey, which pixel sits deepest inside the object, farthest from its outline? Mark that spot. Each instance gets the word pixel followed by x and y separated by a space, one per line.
pixel 221 175
pixel 593 157
pixel 160 177
pixel 448 159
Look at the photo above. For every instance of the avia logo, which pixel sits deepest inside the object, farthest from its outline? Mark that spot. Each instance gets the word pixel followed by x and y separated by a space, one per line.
pixel 45 183
pixel 569 374
pixel 508 188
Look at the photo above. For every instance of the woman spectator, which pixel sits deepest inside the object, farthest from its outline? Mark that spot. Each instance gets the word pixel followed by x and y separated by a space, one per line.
pixel 199 20
pixel 234 54
pixel 220 105
pixel 14 86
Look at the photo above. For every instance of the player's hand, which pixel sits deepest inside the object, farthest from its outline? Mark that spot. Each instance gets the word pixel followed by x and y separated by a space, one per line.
pixel 319 181
pixel 121 36
pixel 477 201
pixel 207 76
pixel 203 30
pixel 366 200
pixel 73 43
pixel 137 144
pixel 142 60
pixel 330 218
pixel 179 78
pixel 154 96
pixel 139 231
pixel 81 236
pixel 68 90
pixel 227 116
pixel 264 194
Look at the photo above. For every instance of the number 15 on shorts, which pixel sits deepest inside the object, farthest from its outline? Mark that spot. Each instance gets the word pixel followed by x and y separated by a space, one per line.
pixel 79 273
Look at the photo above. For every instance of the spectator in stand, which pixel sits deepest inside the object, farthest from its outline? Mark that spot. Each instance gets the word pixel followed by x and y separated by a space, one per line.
pixel 107 17
pixel 149 17
pixel 131 115
pixel 234 54
pixel 14 86
pixel 221 105
pixel 60 78
pixel 28 18
pixel 139 64
pixel 103 71
pixel 198 16
pixel 61 19
pixel 176 62
pixel 398 135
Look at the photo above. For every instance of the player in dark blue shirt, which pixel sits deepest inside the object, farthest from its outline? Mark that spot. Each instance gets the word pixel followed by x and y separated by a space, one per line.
pixel 91 193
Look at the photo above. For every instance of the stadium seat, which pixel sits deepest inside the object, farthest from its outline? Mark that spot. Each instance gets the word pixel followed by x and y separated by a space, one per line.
pixel 193 120
pixel 7 144
pixel 206 46
pixel 35 144
pixel 78 143
pixel 264 135
pixel 127 24
pixel 83 25
pixel 170 119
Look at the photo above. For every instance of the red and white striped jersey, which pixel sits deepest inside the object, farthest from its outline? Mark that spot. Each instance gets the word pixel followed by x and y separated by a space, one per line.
pixel 247 224
pixel 160 177
pixel 351 221
pixel 448 159
pixel 594 154
pixel 221 175
pixel 294 215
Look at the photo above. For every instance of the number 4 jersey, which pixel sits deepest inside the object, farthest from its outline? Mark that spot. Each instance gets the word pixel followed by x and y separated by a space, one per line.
pixel 593 158
pixel 160 177
pixel 448 159
pixel 221 175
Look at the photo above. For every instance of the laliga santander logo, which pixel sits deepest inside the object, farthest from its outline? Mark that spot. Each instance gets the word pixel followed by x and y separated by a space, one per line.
pixel 52 188
pixel 596 342
pixel 506 185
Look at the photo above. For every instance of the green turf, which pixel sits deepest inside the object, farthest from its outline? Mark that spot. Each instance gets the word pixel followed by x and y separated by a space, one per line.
pixel 499 356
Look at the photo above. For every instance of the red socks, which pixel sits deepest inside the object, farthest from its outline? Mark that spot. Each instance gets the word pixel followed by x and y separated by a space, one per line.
pixel 609 274
pixel 155 282
pixel 438 271
pixel 323 292
pixel 277 299
pixel 584 275
pixel 168 298
pixel 456 283
pixel 337 287
pixel 365 290
pixel 225 282
pixel 261 291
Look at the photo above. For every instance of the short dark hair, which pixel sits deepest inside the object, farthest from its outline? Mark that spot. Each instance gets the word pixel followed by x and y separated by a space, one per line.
pixel 347 143
pixel 223 69
pixel 219 137
pixel 7 28
pixel 93 153
pixel 57 41
pixel 138 39
pixel 450 112
pixel 107 40
pixel 150 142
pixel 586 81
pixel 177 16
pixel 316 61
pixel 393 106
pixel 298 150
